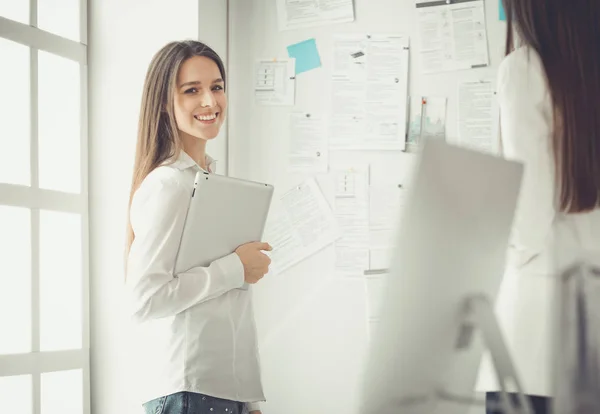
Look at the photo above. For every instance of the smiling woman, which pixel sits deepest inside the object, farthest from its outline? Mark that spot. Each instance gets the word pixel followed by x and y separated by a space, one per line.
pixel 200 103
pixel 197 329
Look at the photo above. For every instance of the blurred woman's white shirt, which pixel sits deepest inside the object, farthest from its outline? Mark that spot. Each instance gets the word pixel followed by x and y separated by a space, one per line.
pixel 526 302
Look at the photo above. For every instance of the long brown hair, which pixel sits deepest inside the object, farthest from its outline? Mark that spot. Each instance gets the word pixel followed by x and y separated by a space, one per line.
pixel 158 139
pixel 566 35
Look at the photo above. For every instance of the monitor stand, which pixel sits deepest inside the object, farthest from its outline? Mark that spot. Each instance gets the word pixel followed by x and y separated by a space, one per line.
pixel 478 313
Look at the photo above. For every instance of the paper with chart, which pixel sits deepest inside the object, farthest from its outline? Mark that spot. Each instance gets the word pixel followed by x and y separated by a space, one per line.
pixel 351 208
pixel 308 147
pixel 369 92
pixel 476 115
pixel 304 225
pixel 275 82
pixel 452 36
pixel 434 118
pixel 295 14
pixel 415 115
pixel 427 119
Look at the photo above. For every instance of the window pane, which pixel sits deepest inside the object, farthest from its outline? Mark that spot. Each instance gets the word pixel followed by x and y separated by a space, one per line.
pixel 17 10
pixel 15 279
pixel 59 123
pixel 60 17
pixel 15 123
pixel 62 392
pixel 15 394
pixel 60 281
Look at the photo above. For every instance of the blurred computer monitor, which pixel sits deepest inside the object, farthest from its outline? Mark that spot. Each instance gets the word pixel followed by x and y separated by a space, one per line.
pixel 451 243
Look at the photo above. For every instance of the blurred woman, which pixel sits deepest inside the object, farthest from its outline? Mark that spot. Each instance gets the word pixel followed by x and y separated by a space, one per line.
pixel 549 97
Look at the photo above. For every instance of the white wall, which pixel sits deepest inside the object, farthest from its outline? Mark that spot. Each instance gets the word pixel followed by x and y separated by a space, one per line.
pixel 123 36
pixel 312 326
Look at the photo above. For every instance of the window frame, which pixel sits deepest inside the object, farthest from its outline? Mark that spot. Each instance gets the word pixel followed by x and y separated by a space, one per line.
pixel 35 363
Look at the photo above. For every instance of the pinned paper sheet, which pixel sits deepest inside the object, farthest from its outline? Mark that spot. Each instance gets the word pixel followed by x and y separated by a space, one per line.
pixel 351 205
pixel 309 13
pixel 414 123
pixel 308 149
pixel 434 118
pixel 306 55
pixel 385 202
pixel 453 35
pixel 275 82
pixel 345 184
pixel 305 225
pixel 427 120
pixel 369 92
pixel 476 116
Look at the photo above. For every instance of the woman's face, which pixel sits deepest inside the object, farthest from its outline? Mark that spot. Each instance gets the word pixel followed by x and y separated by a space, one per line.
pixel 200 100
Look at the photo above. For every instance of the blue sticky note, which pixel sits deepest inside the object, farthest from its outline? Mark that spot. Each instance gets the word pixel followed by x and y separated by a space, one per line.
pixel 306 55
pixel 502 13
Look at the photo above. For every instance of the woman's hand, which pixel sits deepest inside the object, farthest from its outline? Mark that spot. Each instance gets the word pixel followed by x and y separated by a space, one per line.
pixel 256 263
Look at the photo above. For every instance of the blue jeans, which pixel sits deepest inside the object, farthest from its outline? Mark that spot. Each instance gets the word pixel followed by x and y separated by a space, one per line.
pixel 192 403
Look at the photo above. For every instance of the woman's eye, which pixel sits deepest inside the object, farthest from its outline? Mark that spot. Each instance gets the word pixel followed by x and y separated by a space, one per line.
pixel 217 88
pixel 191 90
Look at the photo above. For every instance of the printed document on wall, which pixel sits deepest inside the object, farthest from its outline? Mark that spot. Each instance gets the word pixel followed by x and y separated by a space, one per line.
pixel 295 14
pixel 308 147
pixel 304 225
pixel 415 123
pixel 352 214
pixel 452 36
pixel 369 92
pixel 434 118
pixel 427 120
pixel 386 200
pixel 476 116
pixel 275 82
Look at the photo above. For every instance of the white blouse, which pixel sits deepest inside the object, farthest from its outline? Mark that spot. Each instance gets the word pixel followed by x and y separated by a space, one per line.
pixel 196 329
pixel 525 305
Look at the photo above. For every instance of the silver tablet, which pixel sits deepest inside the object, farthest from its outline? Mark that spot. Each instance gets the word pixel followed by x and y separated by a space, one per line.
pixel 223 214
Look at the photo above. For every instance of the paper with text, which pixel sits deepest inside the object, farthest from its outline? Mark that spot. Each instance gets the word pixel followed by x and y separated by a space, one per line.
pixel 352 215
pixel 453 36
pixel 369 92
pixel 295 14
pixel 305 225
pixel 308 149
pixel 275 82
pixel 476 116
pixel 385 204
